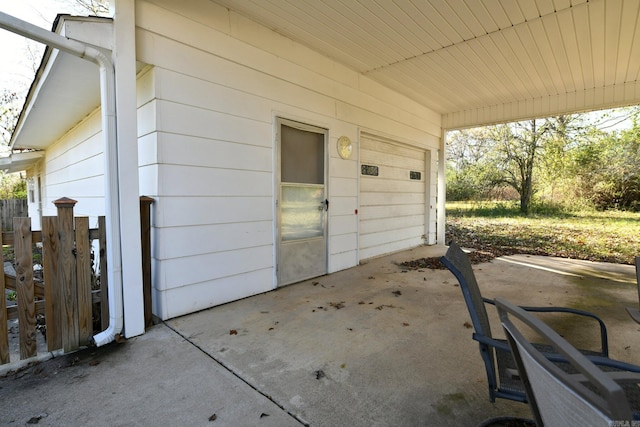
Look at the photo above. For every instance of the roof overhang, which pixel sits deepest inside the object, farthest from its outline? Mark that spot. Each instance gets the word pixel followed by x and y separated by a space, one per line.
pixel 17 162
pixel 66 88
pixel 475 62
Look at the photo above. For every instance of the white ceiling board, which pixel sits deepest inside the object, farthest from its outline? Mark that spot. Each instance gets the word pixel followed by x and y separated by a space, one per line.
pixel 471 61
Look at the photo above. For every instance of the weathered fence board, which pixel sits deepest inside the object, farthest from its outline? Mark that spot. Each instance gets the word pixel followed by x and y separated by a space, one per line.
pixel 83 280
pixel 65 295
pixel 12 208
pixel 50 247
pixel 24 287
pixel 104 280
pixel 145 236
pixel 4 327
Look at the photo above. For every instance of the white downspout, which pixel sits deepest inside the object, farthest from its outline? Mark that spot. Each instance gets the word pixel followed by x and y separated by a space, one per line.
pixel 112 199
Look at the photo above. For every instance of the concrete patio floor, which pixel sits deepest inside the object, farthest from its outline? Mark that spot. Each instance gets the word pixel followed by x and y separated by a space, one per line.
pixel 380 345
pixel 375 345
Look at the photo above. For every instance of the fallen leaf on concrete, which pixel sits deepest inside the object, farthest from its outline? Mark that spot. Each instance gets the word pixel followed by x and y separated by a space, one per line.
pixel 467 325
pixel 337 305
pixel 233 332
pixel 371 277
pixel 36 420
pixel 344 365
pixel 262 415
pixel 319 374
pixel 397 293
pixel 213 417
pixel 405 324
pixel 361 303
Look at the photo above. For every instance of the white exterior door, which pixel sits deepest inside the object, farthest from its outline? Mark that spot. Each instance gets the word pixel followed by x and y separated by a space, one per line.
pixel 393 194
pixel 302 202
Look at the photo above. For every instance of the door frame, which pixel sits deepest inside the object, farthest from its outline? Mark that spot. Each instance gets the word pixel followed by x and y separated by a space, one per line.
pixel 279 121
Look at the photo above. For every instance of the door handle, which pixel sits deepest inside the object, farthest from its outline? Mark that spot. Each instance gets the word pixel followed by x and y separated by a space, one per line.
pixel 324 206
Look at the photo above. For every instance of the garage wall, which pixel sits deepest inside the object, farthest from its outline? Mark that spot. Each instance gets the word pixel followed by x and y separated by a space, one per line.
pixel 207 131
pixel 393 196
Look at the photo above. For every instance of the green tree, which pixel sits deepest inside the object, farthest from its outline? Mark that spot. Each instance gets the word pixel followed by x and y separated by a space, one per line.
pixel 469 176
pixel 607 170
pixel 520 155
pixel 12 186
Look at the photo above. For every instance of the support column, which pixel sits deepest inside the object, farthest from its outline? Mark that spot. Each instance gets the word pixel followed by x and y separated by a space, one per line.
pixel 124 57
pixel 442 189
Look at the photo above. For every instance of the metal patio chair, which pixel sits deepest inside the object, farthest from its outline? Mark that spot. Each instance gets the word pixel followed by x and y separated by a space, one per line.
pixel 589 397
pixel 502 374
pixel 635 312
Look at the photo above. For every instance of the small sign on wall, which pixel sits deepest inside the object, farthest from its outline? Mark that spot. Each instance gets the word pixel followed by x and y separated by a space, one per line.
pixel 369 170
pixel 415 175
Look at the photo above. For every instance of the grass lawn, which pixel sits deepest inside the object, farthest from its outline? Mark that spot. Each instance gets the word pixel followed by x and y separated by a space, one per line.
pixel 498 229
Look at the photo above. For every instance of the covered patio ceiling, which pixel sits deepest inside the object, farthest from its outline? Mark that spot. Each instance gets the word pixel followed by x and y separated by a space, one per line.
pixel 475 61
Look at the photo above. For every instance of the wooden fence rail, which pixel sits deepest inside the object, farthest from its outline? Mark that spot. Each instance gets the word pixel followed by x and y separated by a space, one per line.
pixel 72 298
pixel 65 294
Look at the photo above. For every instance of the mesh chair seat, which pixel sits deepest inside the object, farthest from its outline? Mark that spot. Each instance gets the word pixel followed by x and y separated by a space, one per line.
pixel 589 397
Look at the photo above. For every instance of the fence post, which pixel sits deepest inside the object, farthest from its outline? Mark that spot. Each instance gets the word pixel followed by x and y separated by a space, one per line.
pixel 145 236
pixel 66 274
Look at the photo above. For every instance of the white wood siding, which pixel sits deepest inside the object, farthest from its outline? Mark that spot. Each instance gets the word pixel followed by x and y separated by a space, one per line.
pixel 393 208
pixel 74 167
pixel 207 114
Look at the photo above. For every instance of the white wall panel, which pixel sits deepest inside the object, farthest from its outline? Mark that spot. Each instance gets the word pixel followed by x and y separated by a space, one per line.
pixel 187 271
pixel 179 301
pixel 180 211
pixel 206 182
pixel 207 114
pixel 175 242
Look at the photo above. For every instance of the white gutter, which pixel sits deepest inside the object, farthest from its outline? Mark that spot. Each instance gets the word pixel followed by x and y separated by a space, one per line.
pixel 112 198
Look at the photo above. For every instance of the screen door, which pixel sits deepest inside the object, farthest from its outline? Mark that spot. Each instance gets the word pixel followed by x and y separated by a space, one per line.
pixel 302 202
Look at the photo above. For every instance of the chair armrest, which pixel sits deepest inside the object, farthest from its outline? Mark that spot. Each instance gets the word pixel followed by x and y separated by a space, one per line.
pixel 604 340
pixel 612 363
pixel 622 369
pixel 491 342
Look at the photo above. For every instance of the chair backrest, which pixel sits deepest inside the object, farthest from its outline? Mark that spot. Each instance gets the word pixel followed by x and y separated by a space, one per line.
pixel 589 398
pixel 457 261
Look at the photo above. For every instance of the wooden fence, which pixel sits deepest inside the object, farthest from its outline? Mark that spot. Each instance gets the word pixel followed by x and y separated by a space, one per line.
pixel 72 298
pixel 12 208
